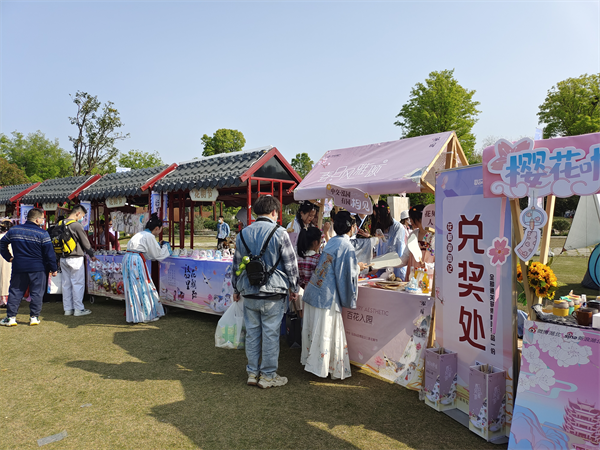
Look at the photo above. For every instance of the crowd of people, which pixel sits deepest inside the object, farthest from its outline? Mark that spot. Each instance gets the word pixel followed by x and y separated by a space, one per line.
pixel 317 271
pixel 313 271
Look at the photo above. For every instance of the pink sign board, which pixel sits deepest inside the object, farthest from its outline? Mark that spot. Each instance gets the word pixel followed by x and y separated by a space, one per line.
pixel 351 199
pixel 562 167
pixel 473 277
pixel 387 334
pixel 558 396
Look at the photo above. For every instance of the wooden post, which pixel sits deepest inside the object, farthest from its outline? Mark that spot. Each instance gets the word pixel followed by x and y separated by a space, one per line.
pixel 515 210
pixel 181 221
pixel 192 224
pixel 547 231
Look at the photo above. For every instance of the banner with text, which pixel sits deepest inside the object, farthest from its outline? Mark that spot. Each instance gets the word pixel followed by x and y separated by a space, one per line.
pixel 558 397
pixel 473 277
pixel 387 334
pixel 562 167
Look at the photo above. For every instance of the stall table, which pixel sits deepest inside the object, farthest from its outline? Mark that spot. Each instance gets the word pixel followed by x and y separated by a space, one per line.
pixel 198 285
pixel 105 276
pixel 387 334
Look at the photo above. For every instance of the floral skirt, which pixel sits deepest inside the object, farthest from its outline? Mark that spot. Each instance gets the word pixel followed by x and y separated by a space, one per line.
pixel 142 303
pixel 324 346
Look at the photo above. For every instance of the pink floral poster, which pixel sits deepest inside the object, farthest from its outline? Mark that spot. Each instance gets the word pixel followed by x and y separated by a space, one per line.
pixel 558 393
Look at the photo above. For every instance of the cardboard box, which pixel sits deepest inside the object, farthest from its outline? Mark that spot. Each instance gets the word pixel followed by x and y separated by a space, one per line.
pixel 487 401
pixel 441 378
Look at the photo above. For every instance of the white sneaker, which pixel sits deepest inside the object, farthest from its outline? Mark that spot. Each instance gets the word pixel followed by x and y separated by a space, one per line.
pixel 276 381
pixel 9 322
pixel 34 321
pixel 252 380
pixel 81 312
pixel 68 312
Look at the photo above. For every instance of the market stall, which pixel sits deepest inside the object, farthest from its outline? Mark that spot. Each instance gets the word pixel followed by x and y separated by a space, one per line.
pixel 50 195
pixel 557 397
pixel 200 280
pixel 126 199
pixel 389 331
pixel 10 198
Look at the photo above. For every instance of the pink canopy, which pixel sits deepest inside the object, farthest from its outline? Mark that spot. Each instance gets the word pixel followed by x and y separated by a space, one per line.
pixel 386 168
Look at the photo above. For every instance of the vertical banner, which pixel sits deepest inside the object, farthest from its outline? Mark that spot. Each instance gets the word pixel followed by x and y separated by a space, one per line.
pixel 156 204
pixel 558 397
pixel 86 219
pixel 474 296
pixel 24 210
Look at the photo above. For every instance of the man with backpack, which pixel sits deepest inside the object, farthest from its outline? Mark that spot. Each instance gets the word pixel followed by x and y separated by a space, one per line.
pixel 265 271
pixel 32 259
pixel 70 241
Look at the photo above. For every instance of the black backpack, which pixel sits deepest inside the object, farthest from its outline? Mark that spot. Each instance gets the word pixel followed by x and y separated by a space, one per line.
pixel 257 272
pixel 63 240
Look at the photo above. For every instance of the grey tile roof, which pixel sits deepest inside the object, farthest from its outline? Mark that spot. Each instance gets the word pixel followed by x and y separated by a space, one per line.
pixel 57 190
pixel 120 184
pixel 214 171
pixel 7 192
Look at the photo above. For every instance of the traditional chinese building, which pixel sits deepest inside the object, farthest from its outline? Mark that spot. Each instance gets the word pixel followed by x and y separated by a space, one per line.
pixel 582 420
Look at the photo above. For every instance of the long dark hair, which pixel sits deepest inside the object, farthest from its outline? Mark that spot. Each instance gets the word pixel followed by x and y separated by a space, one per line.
pixel 5 225
pixel 382 219
pixel 342 222
pixel 306 238
pixel 305 207
pixel 153 222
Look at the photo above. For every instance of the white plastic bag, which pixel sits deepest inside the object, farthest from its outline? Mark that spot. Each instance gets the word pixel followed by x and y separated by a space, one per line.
pixel 231 332
pixel 55 284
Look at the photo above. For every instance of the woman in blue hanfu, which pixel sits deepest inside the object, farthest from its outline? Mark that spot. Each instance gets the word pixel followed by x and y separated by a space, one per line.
pixel 391 234
pixel 333 285
pixel 142 303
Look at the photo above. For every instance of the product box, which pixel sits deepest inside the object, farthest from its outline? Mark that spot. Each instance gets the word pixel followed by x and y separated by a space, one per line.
pixel 441 378
pixel 487 401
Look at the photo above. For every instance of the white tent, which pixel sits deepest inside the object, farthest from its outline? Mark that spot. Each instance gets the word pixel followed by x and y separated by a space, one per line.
pixel 585 229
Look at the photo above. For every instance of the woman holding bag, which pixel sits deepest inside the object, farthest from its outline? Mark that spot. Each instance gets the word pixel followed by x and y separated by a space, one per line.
pixel 333 285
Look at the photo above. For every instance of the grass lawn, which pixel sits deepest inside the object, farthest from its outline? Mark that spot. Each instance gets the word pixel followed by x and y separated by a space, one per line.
pixel 164 385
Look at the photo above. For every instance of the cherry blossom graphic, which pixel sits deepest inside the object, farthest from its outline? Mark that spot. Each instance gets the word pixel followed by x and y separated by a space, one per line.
pixel 379 362
pixel 498 251
pixel 503 148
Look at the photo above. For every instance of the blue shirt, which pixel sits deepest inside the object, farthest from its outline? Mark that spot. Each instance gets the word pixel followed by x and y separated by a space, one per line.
pixel 223 230
pixel 336 277
pixel 32 248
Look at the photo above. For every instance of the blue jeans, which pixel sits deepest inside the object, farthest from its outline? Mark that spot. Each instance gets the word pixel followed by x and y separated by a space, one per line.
pixel 19 282
pixel 263 325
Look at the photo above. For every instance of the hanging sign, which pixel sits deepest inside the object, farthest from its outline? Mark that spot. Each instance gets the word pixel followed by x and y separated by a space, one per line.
pixel 116 202
pixel 562 167
pixel 88 215
pixel 24 210
pixel 351 199
pixel 155 206
pixel 428 220
pixel 204 195
pixel 533 218
pixel 49 206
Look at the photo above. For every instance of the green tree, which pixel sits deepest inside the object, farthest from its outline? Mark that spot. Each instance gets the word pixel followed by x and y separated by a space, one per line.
pixel 571 107
pixel 94 146
pixel 137 159
pixel 223 141
pixel 302 164
pixel 40 158
pixel 441 104
pixel 10 174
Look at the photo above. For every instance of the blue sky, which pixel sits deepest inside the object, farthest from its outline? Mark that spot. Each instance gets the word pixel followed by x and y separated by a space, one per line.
pixel 302 76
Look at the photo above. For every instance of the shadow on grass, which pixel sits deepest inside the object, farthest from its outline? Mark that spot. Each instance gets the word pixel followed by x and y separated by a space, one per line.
pixel 220 411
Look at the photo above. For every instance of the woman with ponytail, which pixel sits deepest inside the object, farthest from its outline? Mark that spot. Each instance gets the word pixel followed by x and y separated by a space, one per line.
pixel 142 303
pixel 333 285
